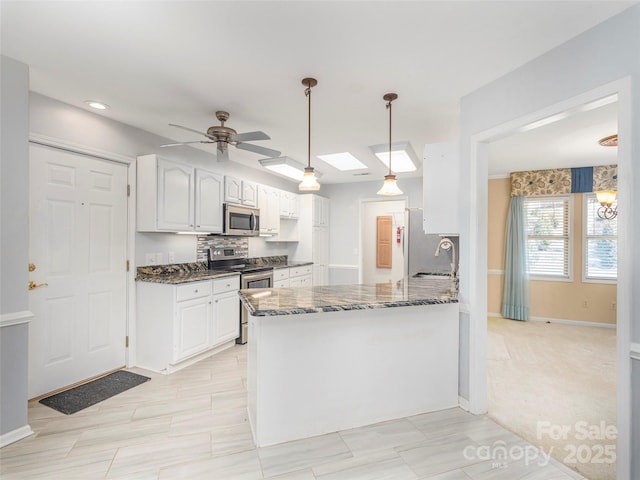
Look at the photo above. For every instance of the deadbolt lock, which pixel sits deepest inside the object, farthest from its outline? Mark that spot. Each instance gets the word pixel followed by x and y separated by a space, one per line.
pixel 32 267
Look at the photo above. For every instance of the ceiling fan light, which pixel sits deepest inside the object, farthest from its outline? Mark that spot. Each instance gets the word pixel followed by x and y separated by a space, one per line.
pixel 390 187
pixel 309 181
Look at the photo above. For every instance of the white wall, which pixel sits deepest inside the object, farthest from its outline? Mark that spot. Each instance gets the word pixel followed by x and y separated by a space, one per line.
pixel 607 53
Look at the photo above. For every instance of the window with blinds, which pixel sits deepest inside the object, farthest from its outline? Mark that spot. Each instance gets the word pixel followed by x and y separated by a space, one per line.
pixel 548 236
pixel 600 244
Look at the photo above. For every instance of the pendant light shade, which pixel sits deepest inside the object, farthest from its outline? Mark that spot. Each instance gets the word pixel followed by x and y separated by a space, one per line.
pixel 390 186
pixel 309 181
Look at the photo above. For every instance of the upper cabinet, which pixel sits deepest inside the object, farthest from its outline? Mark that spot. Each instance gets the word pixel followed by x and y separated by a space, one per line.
pixel 241 192
pixel 209 191
pixel 441 188
pixel 289 205
pixel 320 211
pixel 175 197
pixel 269 210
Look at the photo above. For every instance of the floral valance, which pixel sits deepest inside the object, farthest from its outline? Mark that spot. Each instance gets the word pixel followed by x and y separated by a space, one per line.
pixel 561 181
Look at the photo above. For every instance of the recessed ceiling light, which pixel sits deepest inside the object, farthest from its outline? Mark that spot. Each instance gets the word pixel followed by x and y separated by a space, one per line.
pixel 97 105
pixel 403 158
pixel 343 161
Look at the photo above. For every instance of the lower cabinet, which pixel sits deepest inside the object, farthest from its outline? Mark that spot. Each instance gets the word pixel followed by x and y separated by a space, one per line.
pixel 226 310
pixel 281 277
pixel 301 276
pixel 178 322
pixel 192 328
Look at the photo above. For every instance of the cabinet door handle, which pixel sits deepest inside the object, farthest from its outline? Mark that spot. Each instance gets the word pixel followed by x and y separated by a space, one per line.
pixel 216 301
pixel 195 291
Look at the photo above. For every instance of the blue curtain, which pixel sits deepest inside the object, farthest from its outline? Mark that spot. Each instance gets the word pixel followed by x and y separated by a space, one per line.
pixel 582 180
pixel 515 301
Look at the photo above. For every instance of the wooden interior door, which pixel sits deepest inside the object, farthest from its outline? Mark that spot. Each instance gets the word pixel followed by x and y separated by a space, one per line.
pixel 384 227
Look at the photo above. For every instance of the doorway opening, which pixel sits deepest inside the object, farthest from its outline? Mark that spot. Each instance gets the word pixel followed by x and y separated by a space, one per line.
pixel 478 257
pixel 393 270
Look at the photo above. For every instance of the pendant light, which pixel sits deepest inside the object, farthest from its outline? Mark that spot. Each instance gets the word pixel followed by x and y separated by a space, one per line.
pixel 309 181
pixel 389 187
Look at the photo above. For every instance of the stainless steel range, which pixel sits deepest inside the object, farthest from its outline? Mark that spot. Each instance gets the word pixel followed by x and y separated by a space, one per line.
pixel 235 259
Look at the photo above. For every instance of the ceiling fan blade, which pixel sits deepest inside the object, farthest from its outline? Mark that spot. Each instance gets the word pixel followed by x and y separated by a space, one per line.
pixel 223 155
pixel 249 137
pixel 267 152
pixel 188 129
pixel 184 143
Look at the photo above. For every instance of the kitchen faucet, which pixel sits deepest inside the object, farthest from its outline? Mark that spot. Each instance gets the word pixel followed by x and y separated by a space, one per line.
pixel 447 244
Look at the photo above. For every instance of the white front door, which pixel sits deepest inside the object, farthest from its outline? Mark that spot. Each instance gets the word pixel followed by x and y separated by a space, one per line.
pixel 77 242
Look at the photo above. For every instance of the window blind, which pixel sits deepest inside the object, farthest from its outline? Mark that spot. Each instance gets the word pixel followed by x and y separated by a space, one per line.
pixel 600 243
pixel 548 236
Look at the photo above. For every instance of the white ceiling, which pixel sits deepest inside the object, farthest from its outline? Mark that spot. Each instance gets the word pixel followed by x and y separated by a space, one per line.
pixel 161 62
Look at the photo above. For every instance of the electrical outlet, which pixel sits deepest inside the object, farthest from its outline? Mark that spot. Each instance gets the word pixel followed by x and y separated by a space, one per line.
pixel 150 258
pixel 585 304
pixel 159 258
pixel 172 257
pixel 613 305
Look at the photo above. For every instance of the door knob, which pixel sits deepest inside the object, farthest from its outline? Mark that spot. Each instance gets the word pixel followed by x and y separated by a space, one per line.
pixel 33 285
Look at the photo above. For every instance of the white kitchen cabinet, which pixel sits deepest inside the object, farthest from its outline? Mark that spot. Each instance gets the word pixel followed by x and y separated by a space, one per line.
pixel 226 310
pixel 281 277
pixel 240 191
pixel 313 234
pixel 178 324
pixel 175 197
pixel 320 207
pixel 269 210
pixel 208 204
pixel 192 326
pixel 301 276
pixel 440 186
pixel 289 205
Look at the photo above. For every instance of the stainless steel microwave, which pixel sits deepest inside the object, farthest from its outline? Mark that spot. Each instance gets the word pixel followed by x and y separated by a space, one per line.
pixel 241 221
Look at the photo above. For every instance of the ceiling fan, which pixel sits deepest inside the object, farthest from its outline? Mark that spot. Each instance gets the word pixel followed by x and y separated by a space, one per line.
pixel 225 136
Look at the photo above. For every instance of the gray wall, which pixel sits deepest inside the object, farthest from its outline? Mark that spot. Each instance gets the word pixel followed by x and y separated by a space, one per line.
pixel 14 243
pixel 606 53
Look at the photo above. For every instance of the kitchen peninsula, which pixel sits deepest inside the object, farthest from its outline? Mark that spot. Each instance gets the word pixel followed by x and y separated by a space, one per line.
pixel 329 358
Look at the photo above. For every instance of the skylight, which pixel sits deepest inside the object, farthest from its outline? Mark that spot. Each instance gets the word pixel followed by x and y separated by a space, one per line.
pixel 343 161
pixel 403 158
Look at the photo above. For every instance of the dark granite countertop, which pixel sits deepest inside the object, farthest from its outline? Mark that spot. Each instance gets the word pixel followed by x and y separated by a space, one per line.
pixel 279 261
pixel 262 302
pixel 179 273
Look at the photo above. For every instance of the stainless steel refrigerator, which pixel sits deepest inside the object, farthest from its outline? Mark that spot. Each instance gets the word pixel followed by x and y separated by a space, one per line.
pixel 427 253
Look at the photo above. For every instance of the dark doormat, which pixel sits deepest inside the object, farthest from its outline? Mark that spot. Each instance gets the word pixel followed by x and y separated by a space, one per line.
pixel 83 396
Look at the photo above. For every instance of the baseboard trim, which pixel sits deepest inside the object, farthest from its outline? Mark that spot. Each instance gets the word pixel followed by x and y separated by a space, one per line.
pixel 15 435
pixel 15 318
pixel 463 403
pixel 563 321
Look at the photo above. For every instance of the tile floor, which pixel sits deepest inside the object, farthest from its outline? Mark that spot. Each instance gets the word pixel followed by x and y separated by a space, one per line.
pixel 193 425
